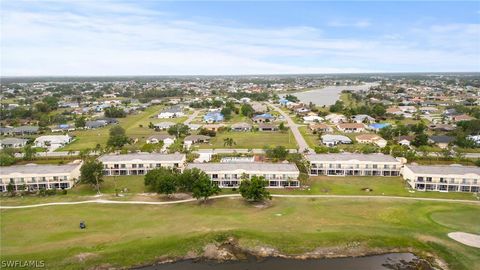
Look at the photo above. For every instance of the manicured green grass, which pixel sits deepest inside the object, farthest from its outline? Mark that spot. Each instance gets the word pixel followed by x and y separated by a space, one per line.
pixel 250 140
pixel 311 139
pixel 387 186
pixel 125 235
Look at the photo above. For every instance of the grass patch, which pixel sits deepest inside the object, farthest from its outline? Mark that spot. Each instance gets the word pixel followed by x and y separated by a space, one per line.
pixel 252 140
pixel 387 186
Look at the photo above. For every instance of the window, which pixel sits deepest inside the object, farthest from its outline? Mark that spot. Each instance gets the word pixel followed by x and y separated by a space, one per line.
pixel 215 176
pixel 134 165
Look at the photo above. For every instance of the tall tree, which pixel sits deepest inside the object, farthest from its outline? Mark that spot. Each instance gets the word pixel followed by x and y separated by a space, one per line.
pixel 91 173
pixel 187 179
pixel 162 180
pixel 80 122
pixel 179 130
pixel 117 137
pixel 204 188
pixel 255 189
pixel 29 152
pixel 247 110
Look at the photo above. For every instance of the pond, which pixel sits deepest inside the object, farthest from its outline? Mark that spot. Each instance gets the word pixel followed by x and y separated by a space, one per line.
pixel 328 95
pixel 398 261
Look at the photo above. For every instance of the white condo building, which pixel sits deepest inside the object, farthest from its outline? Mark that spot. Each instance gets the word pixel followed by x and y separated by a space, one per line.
pixel 140 163
pixel 228 175
pixel 447 178
pixel 36 177
pixel 349 164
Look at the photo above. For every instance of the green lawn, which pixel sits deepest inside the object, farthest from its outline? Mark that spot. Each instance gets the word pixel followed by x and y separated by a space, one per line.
pixel 252 140
pixel 126 235
pixel 387 186
pixel 131 124
pixel 311 139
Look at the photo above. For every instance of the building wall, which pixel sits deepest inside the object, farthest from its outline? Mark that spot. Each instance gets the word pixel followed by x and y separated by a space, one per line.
pixel 275 179
pixel 139 167
pixel 355 168
pixel 444 183
pixel 36 181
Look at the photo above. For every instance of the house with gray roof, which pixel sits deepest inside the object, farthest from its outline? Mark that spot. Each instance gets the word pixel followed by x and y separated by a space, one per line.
pixel 163 125
pixel 13 143
pixel 242 126
pixel 332 140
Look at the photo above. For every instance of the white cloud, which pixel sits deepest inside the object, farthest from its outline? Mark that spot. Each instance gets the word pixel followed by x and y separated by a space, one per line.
pixel 344 23
pixel 82 38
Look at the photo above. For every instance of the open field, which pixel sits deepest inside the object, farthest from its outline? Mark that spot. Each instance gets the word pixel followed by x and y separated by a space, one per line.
pixel 253 139
pixel 310 138
pixel 124 235
pixel 131 124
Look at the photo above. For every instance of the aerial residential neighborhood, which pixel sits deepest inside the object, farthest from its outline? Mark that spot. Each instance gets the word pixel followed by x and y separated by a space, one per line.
pixel 239 135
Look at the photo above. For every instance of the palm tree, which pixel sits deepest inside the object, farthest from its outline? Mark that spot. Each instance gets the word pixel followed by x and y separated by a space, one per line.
pixel 229 142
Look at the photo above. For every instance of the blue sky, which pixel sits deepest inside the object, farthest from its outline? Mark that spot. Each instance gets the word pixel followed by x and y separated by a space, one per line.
pixel 204 38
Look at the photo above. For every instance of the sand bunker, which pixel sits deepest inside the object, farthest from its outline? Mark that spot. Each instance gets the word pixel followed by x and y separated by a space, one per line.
pixel 469 239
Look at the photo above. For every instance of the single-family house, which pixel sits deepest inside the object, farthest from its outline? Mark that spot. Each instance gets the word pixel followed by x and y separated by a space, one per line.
pixel 213 117
pixel 172 112
pixel 312 119
pixel 371 139
pixel 263 118
pixel 320 127
pixel 52 142
pixel 194 126
pixel 13 143
pixel 242 126
pixel 405 140
pixel 163 125
pixel 363 118
pixel 336 118
pixel 441 141
pixel 462 117
pixel 95 124
pixel 213 127
pixel 166 139
pixel 351 127
pixel 332 140
pixel 259 107
pixel 267 127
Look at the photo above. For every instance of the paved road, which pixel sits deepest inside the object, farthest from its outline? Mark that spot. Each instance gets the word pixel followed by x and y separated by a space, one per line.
pixel 437 154
pixel 302 144
pixel 192 117
pixel 235 150
pixel 361 197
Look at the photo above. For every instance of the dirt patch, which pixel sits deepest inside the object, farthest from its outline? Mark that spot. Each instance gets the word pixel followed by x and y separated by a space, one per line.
pixel 262 205
pixel 85 256
pixel 230 249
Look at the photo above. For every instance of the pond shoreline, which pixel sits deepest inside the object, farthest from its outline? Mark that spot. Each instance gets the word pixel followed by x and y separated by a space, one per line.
pixel 230 251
